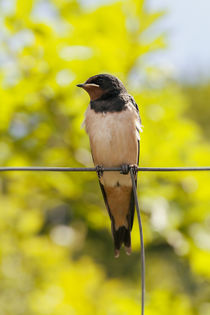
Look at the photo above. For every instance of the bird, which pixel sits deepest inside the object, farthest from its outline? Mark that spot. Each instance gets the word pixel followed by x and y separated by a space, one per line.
pixel 113 124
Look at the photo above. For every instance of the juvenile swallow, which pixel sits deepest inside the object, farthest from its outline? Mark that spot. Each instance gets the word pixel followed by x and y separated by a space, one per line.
pixel 113 124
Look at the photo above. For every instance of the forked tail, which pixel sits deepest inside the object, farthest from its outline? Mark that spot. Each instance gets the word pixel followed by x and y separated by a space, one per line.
pixel 122 236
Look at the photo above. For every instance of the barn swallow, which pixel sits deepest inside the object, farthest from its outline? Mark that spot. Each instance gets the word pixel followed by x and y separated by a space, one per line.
pixel 113 124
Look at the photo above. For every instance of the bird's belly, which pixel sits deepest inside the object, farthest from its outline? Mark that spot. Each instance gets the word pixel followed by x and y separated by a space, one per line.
pixel 113 141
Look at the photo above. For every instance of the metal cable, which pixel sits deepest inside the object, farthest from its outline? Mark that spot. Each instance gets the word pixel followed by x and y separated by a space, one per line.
pixel 93 169
pixel 141 241
pixel 109 169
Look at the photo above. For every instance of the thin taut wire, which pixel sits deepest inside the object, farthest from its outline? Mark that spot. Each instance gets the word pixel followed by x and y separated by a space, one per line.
pixel 141 241
pixel 106 169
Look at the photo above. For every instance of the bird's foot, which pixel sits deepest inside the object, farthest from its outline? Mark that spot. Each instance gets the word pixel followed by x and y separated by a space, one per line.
pixel 134 168
pixel 125 169
pixel 99 170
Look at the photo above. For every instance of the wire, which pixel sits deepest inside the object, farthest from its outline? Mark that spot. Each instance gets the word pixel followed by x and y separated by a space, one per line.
pixel 174 169
pixel 106 169
pixel 141 241
pixel 109 169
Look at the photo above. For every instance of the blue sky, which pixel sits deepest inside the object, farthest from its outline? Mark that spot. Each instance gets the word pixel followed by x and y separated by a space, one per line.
pixel 187 25
pixel 187 29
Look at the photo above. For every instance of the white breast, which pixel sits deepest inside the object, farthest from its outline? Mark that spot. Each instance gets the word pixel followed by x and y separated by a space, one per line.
pixel 113 139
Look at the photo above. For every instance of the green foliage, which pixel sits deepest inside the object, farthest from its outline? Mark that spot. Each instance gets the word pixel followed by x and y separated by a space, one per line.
pixel 198 110
pixel 55 244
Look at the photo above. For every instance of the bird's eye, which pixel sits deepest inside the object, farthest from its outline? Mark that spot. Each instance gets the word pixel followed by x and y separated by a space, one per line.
pixel 99 81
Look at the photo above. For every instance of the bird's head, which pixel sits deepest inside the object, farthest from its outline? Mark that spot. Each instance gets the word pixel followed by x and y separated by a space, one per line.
pixel 102 85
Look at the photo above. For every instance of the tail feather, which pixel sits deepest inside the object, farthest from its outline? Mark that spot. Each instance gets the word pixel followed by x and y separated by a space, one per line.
pixel 122 236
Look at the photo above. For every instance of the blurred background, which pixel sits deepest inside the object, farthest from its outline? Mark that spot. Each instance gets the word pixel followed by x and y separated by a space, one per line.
pixel 56 249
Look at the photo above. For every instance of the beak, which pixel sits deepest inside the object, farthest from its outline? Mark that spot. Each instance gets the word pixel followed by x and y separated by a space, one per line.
pixel 87 85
